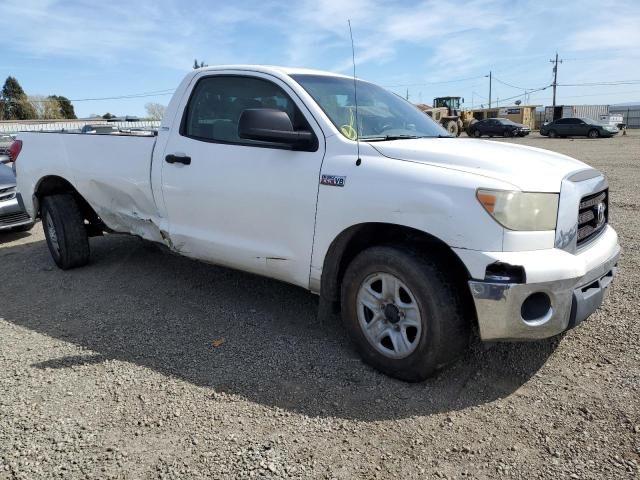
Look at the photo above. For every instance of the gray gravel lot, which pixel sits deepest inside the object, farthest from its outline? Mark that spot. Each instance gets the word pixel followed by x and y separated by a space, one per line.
pixel 148 365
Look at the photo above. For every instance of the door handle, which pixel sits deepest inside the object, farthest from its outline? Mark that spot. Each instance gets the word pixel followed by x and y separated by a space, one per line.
pixel 184 159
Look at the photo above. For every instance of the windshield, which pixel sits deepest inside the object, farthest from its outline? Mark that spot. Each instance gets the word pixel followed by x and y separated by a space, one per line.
pixel 591 121
pixel 506 121
pixel 448 102
pixel 382 115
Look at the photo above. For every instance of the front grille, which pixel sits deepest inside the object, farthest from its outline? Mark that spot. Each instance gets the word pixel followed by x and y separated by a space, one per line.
pixel 12 218
pixel 8 193
pixel 593 216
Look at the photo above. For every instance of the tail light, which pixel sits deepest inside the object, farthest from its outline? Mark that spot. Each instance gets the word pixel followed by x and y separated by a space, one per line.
pixel 14 150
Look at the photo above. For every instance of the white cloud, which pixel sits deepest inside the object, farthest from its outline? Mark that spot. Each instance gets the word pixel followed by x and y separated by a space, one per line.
pixel 431 40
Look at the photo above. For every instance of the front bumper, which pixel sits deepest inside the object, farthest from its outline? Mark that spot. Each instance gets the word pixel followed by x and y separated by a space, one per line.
pixel 500 305
pixel 13 215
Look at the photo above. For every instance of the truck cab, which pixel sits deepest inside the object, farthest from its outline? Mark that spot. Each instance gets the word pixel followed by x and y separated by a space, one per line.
pixel 342 188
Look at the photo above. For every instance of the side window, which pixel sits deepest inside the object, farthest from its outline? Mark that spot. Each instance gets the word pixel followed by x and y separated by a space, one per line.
pixel 562 121
pixel 217 102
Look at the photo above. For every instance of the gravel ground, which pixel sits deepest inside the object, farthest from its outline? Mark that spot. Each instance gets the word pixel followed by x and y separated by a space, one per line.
pixel 148 365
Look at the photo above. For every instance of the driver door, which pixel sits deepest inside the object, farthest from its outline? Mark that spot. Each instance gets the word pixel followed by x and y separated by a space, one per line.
pixel 237 202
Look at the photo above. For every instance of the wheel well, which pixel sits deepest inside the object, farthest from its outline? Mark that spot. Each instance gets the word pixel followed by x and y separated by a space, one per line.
pixel 52 185
pixel 359 237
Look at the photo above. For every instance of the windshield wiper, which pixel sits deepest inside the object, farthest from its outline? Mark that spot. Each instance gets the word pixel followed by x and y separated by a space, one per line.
pixel 383 138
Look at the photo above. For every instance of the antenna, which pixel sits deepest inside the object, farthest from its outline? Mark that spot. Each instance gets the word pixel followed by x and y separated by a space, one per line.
pixel 355 93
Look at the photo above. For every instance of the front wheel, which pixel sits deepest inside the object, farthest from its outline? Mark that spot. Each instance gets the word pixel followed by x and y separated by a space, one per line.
pixel 65 231
pixel 477 134
pixel 593 133
pixel 452 128
pixel 507 133
pixel 402 313
pixel 552 134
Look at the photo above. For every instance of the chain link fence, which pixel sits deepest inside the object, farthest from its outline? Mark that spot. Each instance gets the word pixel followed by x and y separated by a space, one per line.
pixel 72 125
pixel 631 115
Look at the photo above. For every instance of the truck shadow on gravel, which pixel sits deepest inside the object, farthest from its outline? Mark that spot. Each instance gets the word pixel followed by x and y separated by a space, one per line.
pixel 232 332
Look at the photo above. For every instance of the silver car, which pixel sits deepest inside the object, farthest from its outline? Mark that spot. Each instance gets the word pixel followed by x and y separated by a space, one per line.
pixel 12 215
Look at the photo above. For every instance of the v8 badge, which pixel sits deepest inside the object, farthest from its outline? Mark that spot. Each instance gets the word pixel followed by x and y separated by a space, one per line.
pixel 333 180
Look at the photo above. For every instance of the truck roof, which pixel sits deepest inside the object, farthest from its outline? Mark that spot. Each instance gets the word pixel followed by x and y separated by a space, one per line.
pixel 273 69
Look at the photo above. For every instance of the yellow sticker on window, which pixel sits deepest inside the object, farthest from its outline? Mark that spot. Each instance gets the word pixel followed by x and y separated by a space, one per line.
pixel 349 130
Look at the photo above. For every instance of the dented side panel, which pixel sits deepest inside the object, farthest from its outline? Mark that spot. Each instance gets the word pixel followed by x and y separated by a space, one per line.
pixel 113 176
pixel 111 172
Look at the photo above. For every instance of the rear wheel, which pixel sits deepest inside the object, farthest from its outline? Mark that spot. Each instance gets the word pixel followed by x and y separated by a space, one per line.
pixel 402 313
pixel 65 231
pixel 593 133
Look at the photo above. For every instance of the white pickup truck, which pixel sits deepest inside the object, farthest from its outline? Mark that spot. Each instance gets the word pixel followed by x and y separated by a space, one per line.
pixel 418 238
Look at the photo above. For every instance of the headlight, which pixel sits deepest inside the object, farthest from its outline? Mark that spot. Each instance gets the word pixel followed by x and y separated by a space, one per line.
pixel 521 210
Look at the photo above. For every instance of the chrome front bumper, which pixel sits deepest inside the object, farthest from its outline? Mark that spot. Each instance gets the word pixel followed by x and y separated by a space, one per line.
pixel 499 305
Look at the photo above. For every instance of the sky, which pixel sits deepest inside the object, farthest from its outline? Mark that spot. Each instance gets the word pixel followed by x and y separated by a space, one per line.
pixel 427 48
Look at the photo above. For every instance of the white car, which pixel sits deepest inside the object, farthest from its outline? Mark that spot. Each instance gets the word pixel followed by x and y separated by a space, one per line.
pixel 415 236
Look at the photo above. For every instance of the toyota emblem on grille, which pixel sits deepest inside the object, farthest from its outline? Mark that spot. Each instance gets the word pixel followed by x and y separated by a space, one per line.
pixel 601 209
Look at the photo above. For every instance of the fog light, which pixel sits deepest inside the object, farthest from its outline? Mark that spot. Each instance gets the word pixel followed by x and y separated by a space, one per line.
pixel 535 307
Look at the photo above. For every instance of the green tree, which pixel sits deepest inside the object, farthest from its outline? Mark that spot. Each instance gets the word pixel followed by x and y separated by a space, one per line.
pixel 45 107
pixel 107 116
pixel 66 107
pixel 14 102
pixel 200 65
pixel 155 111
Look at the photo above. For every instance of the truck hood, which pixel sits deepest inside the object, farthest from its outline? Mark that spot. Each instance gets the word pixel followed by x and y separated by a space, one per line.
pixel 527 168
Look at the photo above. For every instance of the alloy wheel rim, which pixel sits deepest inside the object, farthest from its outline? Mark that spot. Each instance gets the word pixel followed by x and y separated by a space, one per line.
pixel 51 230
pixel 389 316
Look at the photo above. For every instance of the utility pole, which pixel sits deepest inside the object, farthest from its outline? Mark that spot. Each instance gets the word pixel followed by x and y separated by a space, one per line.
pixel 489 87
pixel 555 76
pixel 407 94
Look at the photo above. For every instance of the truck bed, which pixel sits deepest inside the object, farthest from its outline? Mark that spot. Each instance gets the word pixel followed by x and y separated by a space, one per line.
pixel 112 172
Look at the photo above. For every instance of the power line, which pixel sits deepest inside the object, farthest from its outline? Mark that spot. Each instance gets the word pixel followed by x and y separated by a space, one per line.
pixel 596 84
pixel 510 85
pixel 432 83
pixel 523 94
pixel 133 95
pixel 155 93
pixel 600 94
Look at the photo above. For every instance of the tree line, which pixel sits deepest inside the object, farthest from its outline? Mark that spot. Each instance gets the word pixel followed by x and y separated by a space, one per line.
pixel 15 104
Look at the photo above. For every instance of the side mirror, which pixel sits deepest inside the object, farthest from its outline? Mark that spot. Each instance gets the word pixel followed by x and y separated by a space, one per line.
pixel 274 126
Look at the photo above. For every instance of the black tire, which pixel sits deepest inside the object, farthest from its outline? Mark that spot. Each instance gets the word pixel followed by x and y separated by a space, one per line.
pixel 507 133
pixel 477 134
pixel 593 133
pixel 452 128
pixel 62 216
pixel 552 134
pixel 445 330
